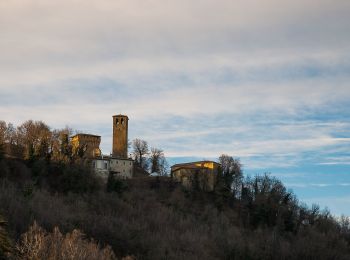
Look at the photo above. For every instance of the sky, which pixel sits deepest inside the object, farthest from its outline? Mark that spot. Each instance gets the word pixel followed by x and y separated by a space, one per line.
pixel 264 81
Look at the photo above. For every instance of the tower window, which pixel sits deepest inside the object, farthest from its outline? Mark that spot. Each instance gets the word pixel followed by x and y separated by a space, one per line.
pixel 117 121
pixel 122 121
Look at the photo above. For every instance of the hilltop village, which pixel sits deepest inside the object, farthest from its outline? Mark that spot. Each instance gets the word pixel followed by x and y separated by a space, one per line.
pixel 59 196
pixel 120 165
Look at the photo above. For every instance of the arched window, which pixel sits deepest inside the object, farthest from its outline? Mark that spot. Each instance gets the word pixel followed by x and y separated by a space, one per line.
pixel 117 121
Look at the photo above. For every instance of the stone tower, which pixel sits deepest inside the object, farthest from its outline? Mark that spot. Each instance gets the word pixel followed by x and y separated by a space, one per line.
pixel 120 136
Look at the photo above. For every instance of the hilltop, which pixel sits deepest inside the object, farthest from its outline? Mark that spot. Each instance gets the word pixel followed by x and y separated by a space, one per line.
pixel 156 218
pixel 54 205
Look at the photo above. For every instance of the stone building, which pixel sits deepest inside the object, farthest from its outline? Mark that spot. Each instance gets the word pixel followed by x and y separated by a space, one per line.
pixel 100 166
pixel 89 144
pixel 120 136
pixel 201 173
pixel 120 168
pixel 118 163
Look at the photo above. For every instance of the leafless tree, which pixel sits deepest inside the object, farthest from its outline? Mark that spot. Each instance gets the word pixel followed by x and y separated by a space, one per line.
pixel 35 136
pixel 158 161
pixel 39 244
pixel 140 151
pixel 231 173
pixel 3 129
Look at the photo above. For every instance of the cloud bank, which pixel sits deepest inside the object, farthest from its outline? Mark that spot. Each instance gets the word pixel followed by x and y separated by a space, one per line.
pixel 255 79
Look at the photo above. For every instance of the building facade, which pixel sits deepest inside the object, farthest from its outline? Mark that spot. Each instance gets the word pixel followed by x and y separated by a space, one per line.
pixel 101 167
pixel 201 173
pixel 119 168
pixel 86 143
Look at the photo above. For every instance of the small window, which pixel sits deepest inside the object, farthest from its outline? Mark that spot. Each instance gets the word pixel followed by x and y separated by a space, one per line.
pixel 105 166
pixel 122 121
pixel 124 163
pixel 117 121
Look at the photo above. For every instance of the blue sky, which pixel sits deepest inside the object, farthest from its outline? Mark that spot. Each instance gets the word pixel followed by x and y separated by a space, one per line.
pixel 264 81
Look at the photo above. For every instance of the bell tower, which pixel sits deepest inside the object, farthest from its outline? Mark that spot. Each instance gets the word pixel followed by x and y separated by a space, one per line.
pixel 120 136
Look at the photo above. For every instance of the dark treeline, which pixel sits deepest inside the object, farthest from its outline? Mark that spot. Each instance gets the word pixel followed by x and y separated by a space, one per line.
pixel 50 209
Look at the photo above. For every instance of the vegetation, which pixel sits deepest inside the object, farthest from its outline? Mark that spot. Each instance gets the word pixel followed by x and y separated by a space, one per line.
pixel 153 161
pixel 36 243
pixel 155 218
pixel 140 151
pixel 5 245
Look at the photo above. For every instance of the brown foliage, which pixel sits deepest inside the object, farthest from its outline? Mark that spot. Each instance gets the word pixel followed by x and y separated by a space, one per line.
pixel 157 219
pixel 36 243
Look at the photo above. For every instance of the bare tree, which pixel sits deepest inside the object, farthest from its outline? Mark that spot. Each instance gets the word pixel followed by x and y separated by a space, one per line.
pixel 8 139
pixel 11 134
pixel 140 151
pixel 158 161
pixel 35 136
pixel 3 129
pixel 37 243
pixel 231 173
pixel 60 147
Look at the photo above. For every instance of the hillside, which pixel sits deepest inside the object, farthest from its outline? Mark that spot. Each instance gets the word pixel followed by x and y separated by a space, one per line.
pixel 155 218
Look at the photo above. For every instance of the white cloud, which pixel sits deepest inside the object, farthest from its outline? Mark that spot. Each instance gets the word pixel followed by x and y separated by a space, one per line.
pixel 79 62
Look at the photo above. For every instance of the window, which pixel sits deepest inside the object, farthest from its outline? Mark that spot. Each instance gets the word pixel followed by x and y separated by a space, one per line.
pixel 124 163
pixel 105 165
pixel 117 121
pixel 122 121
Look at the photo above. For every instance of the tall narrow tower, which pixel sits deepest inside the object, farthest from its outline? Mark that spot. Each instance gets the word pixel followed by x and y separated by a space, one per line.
pixel 120 136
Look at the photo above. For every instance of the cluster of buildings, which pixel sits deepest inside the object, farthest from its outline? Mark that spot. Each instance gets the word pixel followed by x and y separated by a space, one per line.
pixel 120 165
pixel 118 162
